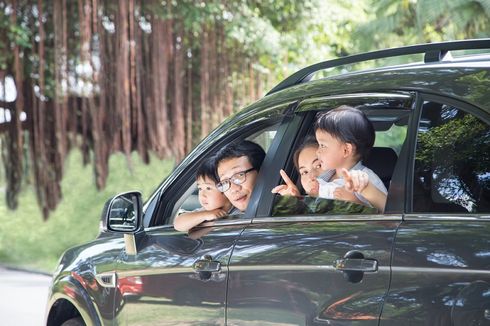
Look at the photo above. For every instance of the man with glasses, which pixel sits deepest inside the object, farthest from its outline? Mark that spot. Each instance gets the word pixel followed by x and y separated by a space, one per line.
pixel 237 167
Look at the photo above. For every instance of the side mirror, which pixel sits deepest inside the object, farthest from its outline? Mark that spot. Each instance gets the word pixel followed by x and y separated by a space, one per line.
pixel 123 213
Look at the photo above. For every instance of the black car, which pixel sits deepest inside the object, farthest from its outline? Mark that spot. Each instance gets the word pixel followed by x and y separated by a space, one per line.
pixel 424 261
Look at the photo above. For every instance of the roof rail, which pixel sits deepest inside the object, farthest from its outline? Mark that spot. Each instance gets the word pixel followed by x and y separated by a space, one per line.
pixel 434 52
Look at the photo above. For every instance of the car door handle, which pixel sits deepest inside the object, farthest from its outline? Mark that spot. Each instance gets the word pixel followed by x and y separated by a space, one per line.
pixel 206 264
pixel 356 265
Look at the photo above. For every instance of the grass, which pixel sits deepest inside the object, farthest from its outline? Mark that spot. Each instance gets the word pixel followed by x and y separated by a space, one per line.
pixel 27 241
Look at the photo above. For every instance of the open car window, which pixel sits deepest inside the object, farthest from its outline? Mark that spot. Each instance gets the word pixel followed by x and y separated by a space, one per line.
pixel 190 201
pixel 390 121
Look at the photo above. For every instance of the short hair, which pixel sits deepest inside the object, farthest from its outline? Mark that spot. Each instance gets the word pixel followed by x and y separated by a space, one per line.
pixel 309 141
pixel 251 150
pixel 207 169
pixel 349 125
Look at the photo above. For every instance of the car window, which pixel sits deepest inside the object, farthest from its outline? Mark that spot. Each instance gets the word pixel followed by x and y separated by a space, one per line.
pixel 189 200
pixel 452 161
pixel 391 127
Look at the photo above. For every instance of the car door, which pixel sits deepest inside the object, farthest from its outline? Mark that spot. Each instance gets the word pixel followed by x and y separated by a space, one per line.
pixel 181 278
pixel 331 268
pixel 441 260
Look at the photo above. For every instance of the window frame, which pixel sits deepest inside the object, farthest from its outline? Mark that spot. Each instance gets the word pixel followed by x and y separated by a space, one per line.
pixel 298 127
pixel 182 177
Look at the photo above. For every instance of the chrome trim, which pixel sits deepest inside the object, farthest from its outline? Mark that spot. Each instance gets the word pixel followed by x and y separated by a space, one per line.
pixel 446 217
pixel 359 95
pixel 306 104
pixel 222 222
pixel 234 268
pixel 155 271
pixel 327 218
pixel 425 270
pixel 109 281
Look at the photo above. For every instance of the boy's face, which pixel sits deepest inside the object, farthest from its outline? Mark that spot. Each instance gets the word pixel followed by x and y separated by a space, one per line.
pixel 209 197
pixel 332 152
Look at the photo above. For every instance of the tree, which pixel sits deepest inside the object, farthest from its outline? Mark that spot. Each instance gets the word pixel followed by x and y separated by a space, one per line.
pixel 153 76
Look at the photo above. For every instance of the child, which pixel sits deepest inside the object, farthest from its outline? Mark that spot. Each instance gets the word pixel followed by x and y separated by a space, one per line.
pixel 309 168
pixel 214 203
pixel 345 136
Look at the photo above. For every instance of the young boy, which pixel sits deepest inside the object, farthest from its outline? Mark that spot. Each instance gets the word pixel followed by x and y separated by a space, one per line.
pixel 214 204
pixel 345 136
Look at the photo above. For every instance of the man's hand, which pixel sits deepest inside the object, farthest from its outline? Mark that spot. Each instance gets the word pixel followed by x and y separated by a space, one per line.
pixel 288 189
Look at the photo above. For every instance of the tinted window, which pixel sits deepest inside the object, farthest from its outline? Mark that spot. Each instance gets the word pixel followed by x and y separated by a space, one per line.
pixel 452 163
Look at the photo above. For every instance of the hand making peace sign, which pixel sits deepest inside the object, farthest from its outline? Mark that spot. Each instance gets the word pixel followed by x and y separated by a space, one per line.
pixel 288 189
pixel 355 180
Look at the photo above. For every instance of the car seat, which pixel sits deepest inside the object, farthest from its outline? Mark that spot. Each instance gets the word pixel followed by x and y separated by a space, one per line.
pixel 382 161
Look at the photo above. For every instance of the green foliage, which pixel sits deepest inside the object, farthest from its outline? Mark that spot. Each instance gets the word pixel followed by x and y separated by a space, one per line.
pixel 27 240
pixel 452 135
pixel 394 23
pixel 20 35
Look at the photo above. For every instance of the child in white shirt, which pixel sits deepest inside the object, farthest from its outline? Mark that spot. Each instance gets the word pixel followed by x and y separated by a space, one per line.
pixel 345 136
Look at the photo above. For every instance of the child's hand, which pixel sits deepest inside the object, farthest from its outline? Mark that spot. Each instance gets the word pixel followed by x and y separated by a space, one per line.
pixel 216 214
pixel 289 189
pixel 355 181
pixel 340 193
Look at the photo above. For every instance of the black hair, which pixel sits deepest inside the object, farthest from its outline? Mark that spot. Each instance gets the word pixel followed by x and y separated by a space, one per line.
pixel 309 141
pixel 349 125
pixel 251 150
pixel 207 169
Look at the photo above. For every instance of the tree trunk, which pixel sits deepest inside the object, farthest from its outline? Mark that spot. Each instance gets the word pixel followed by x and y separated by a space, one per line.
pixel 160 57
pixel 13 161
pixel 138 88
pixel 205 82
pixel 61 80
pixel 189 103
pixel 228 106
pixel 213 87
pixel 41 162
pixel 178 115
pixel 251 83
pixel 122 76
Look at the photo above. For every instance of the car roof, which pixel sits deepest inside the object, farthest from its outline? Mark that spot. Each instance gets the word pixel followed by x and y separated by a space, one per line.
pixel 433 52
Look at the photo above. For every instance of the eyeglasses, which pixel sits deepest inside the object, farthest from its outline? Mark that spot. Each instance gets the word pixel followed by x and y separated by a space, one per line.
pixel 238 178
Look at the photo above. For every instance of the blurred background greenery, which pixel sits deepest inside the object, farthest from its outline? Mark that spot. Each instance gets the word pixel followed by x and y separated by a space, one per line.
pixel 28 241
pixel 78 147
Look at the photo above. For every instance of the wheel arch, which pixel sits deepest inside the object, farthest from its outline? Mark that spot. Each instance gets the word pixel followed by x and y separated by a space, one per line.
pixel 68 300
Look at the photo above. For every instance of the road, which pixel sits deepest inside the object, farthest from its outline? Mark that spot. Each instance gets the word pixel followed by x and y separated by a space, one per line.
pixel 23 297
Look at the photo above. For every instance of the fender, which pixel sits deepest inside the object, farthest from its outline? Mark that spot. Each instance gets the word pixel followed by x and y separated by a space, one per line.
pixel 68 288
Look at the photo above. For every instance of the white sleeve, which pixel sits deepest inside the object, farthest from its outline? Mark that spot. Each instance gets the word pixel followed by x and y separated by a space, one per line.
pixel 326 189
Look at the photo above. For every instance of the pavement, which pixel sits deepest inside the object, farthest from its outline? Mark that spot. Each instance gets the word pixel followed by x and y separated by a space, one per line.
pixel 23 297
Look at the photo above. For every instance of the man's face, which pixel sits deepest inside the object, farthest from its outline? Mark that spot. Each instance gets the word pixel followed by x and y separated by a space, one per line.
pixel 238 195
